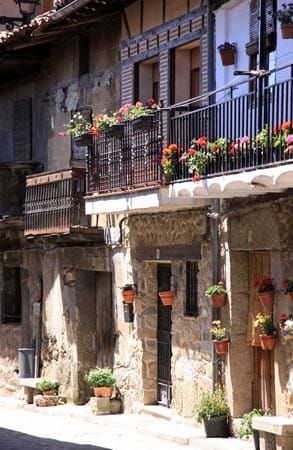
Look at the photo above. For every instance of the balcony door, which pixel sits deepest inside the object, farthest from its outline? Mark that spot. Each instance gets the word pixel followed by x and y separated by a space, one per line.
pixel 164 349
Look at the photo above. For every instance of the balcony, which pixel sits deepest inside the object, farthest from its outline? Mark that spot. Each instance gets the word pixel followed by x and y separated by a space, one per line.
pixel 12 187
pixel 252 158
pixel 54 204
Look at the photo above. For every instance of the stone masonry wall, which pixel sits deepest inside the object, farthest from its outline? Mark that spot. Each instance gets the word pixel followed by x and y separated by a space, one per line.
pixel 136 362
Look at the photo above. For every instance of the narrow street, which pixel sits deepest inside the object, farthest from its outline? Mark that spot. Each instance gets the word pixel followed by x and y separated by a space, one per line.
pixel 25 430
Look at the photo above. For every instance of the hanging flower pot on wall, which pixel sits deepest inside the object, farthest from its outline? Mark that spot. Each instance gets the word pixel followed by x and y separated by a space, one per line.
pixel 218 301
pixel 287 30
pixel 266 299
pixel 268 342
pixel 221 346
pixel 167 297
pixel 128 293
pixel 227 52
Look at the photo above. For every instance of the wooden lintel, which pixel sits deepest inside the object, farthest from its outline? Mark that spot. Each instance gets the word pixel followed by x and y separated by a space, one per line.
pixel 170 253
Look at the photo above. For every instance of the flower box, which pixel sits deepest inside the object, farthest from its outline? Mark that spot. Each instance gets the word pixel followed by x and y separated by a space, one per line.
pixel 83 140
pixel 115 131
pixel 228 57
pixel 142 122
pixel 221 346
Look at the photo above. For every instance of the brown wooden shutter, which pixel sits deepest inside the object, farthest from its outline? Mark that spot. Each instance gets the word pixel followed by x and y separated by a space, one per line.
pixel 252 45
pixel 23 130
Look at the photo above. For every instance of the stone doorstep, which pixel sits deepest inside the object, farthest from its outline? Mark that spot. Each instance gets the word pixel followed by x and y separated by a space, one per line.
pixel 281 426
pixel 49 400
pixel 29 382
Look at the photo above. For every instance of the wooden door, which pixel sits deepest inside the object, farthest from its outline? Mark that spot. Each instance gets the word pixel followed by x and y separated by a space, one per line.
pixel 263 387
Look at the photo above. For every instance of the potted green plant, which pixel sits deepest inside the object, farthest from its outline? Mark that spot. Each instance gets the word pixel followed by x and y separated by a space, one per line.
pixel 285 17
pixel 246 431
pixel 213 410
pixel 265 290
pixel 166 295
pixel 287 286
pixel 48 387
pixel 268 331
pixel 140 115
pixel 217 294
pixel 80 129
pixel 227 52
pixel 101 380
pixel 220 337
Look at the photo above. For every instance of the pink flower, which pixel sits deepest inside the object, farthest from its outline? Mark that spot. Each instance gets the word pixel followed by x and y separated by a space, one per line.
pixel 290 149
pixel 182 158
pixel 244 139
pixel 138 104
pixel 196 177
pixel 289 139
pixel 62 133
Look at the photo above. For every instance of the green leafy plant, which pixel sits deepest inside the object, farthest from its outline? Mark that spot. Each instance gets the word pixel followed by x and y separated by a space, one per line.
pixel 211 404
pixel 129 111
pixel 245 430
pixel 100 377
pixel 216 289
pixel 265 322
pixel 78 125
pixel 285 14
pixel 47 385
pixel 217 330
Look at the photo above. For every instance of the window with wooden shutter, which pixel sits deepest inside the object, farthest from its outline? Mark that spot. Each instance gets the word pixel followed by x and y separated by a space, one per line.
pixel 22 130
pixel 270 27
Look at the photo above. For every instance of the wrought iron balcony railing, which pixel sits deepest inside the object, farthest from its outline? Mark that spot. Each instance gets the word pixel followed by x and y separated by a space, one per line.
pixel 247 132
pixel 12 186
pixel 127 158
pixel 54 202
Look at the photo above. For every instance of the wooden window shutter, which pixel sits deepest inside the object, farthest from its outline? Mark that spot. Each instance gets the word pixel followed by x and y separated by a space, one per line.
pixel 252 45
pixel 23 130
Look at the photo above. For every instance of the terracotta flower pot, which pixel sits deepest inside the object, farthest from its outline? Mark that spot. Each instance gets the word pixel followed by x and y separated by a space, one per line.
pixel 103 391
pixel 228 57
pixel 287 30
pixel 166 179
pixel 268 342
pixel 167 297
pixel 128 295
pixel 266 299
pixel 218 301
pixel 222 346
pixel 49 392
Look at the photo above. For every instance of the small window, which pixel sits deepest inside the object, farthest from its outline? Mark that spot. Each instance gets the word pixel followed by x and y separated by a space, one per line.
pixel 191 304
pixel 22 130
pixel 11 295
pixel 84 55
pixel 146 76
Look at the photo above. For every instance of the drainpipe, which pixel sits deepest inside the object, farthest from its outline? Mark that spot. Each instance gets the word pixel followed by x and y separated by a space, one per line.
pixel 215 274
pixel 215 204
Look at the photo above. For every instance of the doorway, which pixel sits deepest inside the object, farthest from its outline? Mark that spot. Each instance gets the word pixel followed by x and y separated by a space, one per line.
pixel 164 348
pixel 263 394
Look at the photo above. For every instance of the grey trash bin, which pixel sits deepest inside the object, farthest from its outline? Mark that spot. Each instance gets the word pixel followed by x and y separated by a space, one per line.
pixel 26 359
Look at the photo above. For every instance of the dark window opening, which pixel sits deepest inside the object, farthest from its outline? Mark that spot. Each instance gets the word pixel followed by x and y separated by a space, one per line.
pixel 11 295
pixel 146 80
pixel 84 54
pixel 191 304
pixel 22 130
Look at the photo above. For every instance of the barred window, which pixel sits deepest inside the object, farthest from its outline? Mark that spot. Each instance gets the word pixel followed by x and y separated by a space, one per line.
pixel 191 304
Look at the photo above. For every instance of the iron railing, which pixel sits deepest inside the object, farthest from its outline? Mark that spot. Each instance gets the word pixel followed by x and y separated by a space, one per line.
pixel 54 202
pixel 263 109
pixel 127 158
